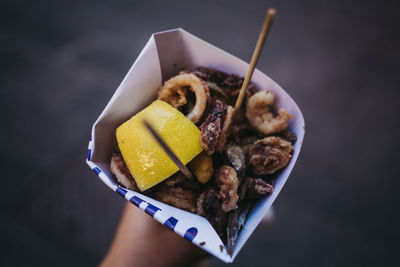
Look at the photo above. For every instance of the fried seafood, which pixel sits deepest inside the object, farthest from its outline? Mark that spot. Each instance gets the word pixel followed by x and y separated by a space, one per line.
pixel 177 196
pixel 288 136
pixel 217 91
pixel 175 89
pixel 230 181
pixel 121 172
pixel 209 206
pixel 175 179
pixel 209 74
pixel 227 180
pixel 261 118
pixel 230 84
pixel 236 158
pixel 214 130
pixel 225 129
pixel 268 155
pixel 257 188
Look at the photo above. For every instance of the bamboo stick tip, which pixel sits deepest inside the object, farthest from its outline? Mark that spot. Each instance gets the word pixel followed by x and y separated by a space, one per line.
pixel 272 12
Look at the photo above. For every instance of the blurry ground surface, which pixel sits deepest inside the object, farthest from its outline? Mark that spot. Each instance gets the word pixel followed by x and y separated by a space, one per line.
pixel 61 62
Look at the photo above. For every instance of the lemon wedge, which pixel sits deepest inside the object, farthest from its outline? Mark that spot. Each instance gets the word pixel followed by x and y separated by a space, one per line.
pixel 146 160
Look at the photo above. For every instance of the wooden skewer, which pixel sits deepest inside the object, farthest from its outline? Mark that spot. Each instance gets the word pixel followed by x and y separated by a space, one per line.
pixel 260 43
pixel 168 150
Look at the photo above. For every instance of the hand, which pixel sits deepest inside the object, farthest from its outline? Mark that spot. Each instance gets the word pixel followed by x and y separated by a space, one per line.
pixel 142 241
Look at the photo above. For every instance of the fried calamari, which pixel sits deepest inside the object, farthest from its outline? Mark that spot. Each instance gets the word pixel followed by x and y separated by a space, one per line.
pixel 209 206
pixel 268 155
pixel 257 188
pixel 260 116
pixel 228 183
pixel 229 83
pixel 175 89
pixel 215 129
pixel 236 158
pixel 177 196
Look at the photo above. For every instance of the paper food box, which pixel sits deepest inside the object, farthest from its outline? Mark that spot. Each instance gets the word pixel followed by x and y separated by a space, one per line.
pixel 165 54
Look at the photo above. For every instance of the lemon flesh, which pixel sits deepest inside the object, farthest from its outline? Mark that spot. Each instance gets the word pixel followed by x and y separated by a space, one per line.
pixel 146 160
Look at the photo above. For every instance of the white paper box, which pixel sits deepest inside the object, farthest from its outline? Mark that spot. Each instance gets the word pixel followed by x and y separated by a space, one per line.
pixel 164 55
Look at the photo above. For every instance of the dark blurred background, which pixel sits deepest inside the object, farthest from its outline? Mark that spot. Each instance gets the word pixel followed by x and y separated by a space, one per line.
pixel 61 62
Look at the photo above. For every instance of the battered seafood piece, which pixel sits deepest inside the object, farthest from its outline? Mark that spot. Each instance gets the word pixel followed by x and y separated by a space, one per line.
pixel 268 155
pixel 176 196
pixel 174 92
pixel 236 157
pixel 175 179
pixel 225 129
pixel 215 90
pixel 230 84
pixel 215 129
pixel 209 206
pixel 260 117
pixel 121 172
pixel 226 179
pixel 257 188
pixel 209 74
pixel 288 136
pixel 241 132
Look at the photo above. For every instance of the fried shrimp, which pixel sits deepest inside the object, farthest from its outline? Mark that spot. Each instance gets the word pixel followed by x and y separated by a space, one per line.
pixel 174 92
pixel 261 118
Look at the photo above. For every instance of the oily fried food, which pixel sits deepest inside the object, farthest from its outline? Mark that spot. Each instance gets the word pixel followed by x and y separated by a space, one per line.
pixel 175 179
pixel 288 136
pixel 225 129
pixel 227 180
pixel 250 148
pixel 177 196
pixel 236 158
pixel 215 129
pixel 121 172
pixel 260 116
pixel 268 155
pixel 257 188
pixel 175 89
pixel 229 83
pixel 209 206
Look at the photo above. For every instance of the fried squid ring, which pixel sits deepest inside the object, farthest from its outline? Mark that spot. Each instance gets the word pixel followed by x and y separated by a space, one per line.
pixel 261 118
pixel 173 92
